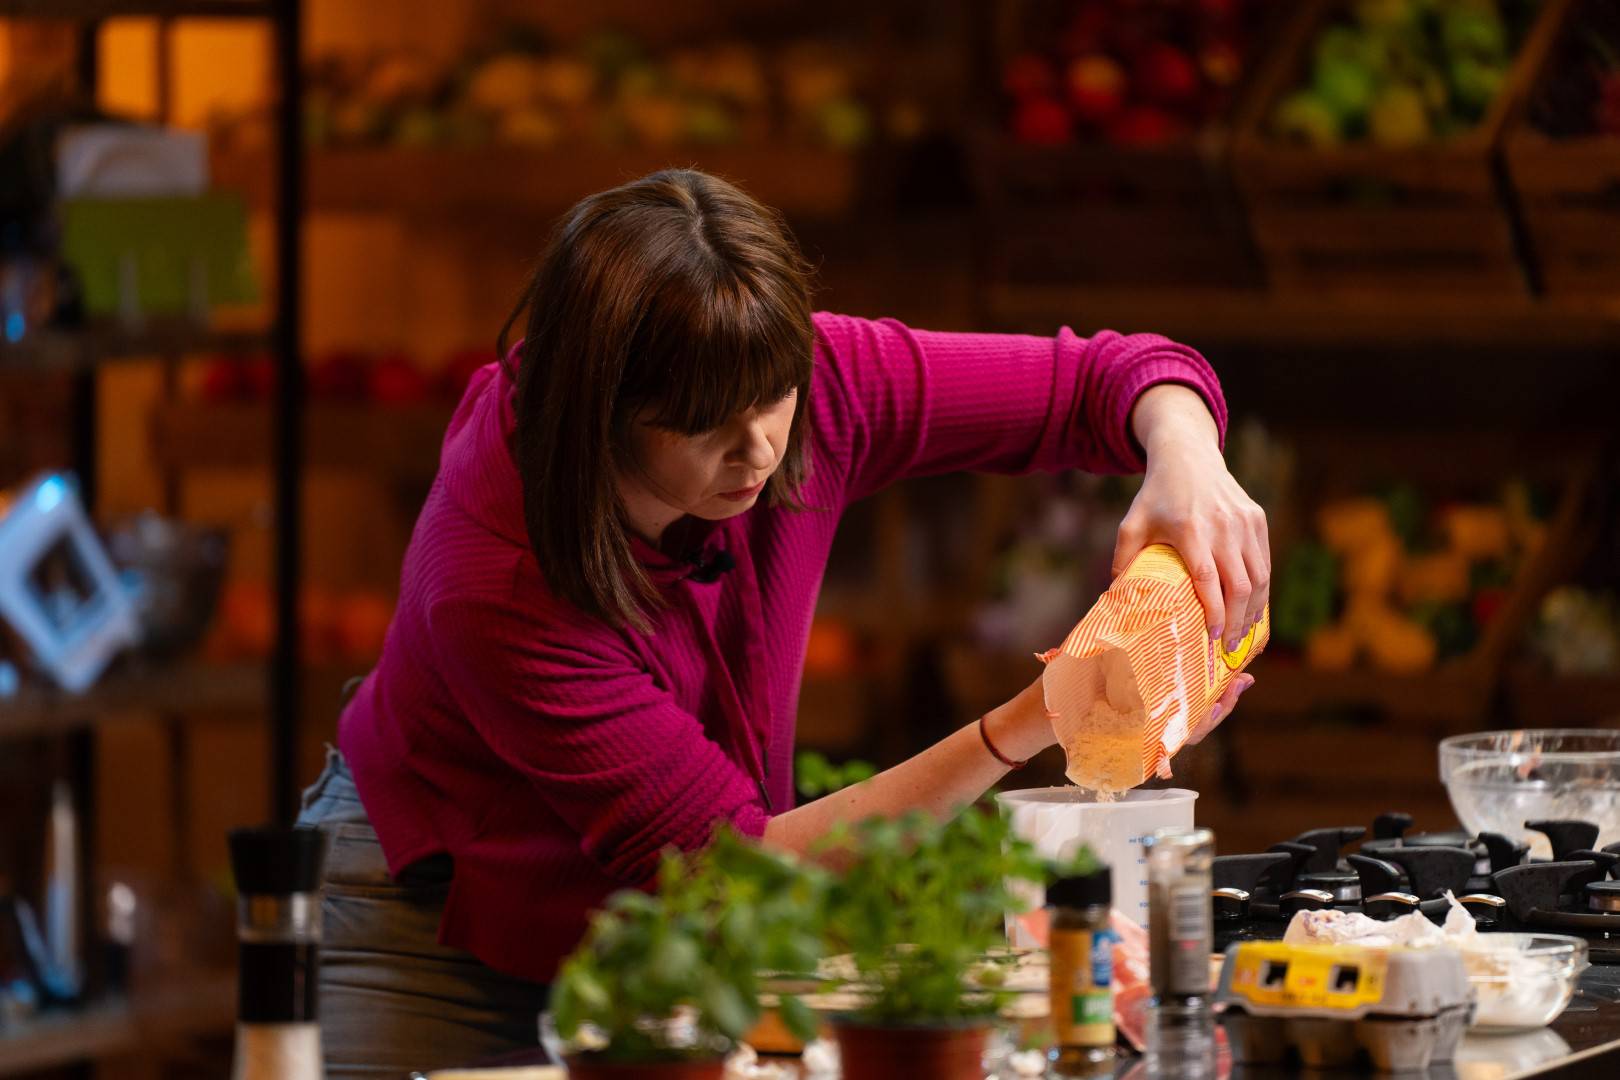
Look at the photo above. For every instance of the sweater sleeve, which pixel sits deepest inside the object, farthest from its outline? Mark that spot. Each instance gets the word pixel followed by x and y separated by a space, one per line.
pixel 604 746
pixel 893 402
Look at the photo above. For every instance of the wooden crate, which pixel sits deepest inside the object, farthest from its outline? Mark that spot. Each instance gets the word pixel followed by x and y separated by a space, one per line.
pixel 1568 189
pixel 1364 218
pixel 1091 213
pixel 1114 215
pixel 1458 693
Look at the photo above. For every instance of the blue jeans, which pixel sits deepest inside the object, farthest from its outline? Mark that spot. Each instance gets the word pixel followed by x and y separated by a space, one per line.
pixel 392 999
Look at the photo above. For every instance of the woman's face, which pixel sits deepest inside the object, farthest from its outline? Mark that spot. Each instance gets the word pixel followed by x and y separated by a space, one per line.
pixel 715 475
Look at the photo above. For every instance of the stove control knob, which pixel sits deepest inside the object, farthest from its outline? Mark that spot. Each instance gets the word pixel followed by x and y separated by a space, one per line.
pixel 1486 909
pixel 1230 904
pixel 1304 900
pixel 1390 905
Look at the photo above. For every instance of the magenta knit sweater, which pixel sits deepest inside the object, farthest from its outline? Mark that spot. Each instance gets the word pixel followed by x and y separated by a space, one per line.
pixel 554 756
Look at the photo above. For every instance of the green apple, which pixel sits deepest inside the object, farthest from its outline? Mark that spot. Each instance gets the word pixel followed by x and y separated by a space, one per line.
pixel 1466 30
pixel 1304 117
pixel 1345 86
pixel 1399 117
pixel 1475 84
pixel 1345 43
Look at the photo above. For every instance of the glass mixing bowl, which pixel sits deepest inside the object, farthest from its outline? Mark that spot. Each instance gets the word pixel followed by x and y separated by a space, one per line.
pixel 1498 780
pixel 1523 981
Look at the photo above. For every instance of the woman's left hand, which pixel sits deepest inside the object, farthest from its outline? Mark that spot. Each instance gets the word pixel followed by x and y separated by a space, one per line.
pixel 1190 501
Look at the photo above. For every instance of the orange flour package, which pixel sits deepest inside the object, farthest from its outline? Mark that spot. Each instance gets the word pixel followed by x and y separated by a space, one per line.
pixel 1138 673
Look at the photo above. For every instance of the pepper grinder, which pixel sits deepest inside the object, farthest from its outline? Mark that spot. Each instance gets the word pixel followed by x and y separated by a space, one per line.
pixel 278 930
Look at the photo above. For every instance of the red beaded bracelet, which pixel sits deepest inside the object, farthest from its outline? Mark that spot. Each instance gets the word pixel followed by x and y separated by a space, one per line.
pixel 997 754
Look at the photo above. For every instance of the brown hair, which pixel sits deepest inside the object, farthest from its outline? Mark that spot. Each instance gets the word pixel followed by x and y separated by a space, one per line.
pixel 676 297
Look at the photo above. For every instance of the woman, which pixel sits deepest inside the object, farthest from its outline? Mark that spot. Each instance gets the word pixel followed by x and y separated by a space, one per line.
pixel 605 604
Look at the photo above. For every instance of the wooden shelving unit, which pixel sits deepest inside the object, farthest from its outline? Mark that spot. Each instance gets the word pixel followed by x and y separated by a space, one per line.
pixel 798 179
pixel 1453 695
pixel 93 346
pixel 1262 318
pixel 402 442
pixel 107 9
pixel 1545 699
pixel 189 688
pixel 154 1016
pixel 204 1003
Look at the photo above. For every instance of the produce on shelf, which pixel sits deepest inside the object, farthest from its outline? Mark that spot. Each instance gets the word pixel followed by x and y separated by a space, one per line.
pixel 1399 585
pixel 609 88
pixel 1403 72
pixel 833 650
pixel 1127 72
pixel 1578 632
pixel 1579 94
pixel 394 379
pixel 344 627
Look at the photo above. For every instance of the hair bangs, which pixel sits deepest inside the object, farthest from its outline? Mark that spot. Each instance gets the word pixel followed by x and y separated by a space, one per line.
pixel 697 365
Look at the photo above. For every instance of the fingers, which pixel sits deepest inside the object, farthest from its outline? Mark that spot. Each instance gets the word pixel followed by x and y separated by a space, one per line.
pixel 1206 579
pixel 1222 708
pixel 1257 561
pixel 1132 539
pixel 1235 590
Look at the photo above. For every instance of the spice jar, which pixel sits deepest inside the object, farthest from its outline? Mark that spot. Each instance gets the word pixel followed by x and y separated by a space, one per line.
pixel 1082 974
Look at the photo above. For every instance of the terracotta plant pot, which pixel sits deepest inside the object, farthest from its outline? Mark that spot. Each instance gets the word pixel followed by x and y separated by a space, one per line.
pixel 583 1068
pixel 938 1051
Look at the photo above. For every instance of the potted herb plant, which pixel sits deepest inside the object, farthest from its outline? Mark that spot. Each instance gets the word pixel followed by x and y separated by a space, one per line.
pixel 664 983
pixel 918 905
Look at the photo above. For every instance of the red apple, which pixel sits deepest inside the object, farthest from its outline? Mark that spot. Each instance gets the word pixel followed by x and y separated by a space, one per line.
pixel 1143 125
pixel 1028 75
pixel 1164 75
pixel 1096 87
pixel 1041 121
pixel 395 380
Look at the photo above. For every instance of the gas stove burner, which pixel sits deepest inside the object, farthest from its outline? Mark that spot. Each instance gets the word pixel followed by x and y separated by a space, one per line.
pixel 1482 864
pixel 1389 830
pixel 1396 872
pixel 1603 896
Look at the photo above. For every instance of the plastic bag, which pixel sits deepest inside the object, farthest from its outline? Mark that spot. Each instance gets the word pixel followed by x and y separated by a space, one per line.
pixel 1139 673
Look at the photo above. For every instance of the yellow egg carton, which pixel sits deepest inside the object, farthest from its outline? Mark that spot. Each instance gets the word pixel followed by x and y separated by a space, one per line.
pixel 1404 1008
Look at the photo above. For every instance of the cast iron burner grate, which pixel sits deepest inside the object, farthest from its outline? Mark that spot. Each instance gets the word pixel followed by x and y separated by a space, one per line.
pixel 1393 873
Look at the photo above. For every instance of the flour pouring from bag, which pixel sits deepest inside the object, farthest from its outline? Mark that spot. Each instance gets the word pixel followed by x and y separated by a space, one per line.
pixel 1138 674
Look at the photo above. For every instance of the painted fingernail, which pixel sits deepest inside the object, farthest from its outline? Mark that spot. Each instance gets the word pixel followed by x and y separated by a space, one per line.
pixel 1215 634
pixel 1215 713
